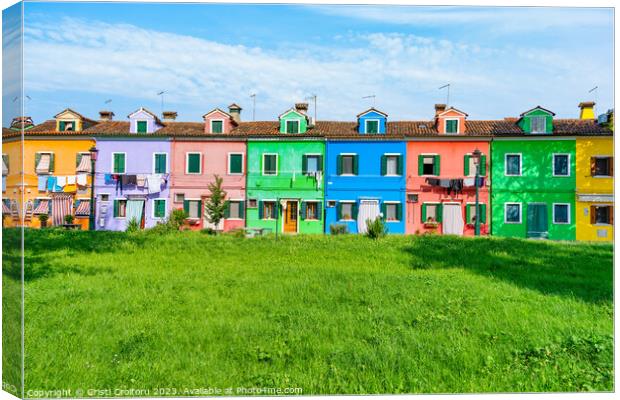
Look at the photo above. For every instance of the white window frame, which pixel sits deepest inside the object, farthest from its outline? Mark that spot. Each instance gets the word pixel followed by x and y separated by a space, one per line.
pixel 104 194
pixel 242 204
pixel 51 153
pixel 348 154
pixel 317 204
pixel 600 205
pixel 120 199
pixel 314 155
pixel 262 169
pixel 242 163
pixel 187 154
pixel 532 124
pixel 458 126
pixel 428 155
pixel 392 155
pixel 520 213
pixel 506 164
pixel 553 164
pixel 199 200
pixel 174 198
pixel 352 202
pixel 276 205
pixel 286 121
pixel 112 163
pixel 167 158
pixel 553 213
pixel 165 208
pixel 392 202
pixel 602 176
pixel 366 121
pixel 147 125
pixel 211 125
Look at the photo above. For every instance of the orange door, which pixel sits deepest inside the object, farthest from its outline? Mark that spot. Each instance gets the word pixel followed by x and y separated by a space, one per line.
pixel 290 217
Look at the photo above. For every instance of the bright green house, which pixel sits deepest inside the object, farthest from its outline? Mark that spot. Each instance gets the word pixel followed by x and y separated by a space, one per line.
pixel 533 178
pixel 285 189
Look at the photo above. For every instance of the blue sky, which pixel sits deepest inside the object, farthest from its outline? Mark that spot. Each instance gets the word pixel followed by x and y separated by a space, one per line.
pixel 499 61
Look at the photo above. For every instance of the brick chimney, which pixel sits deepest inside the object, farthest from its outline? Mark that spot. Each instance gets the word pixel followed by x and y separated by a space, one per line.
pixel 439 108
pixel 169 116
pixel 235 112
pixel 586 110
pixel 105 115
pixel 302 108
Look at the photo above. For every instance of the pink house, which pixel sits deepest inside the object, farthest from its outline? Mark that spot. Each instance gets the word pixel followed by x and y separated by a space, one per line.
pixel 440 174
pixel 200 151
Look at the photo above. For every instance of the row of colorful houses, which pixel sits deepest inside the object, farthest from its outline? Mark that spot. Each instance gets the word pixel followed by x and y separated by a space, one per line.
pixel 541 176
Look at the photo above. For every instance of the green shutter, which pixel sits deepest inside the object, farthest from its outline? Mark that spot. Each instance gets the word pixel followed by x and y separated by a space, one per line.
pixel 227 210
pixel 194 163
pixel 78 158
pixel 162 208
pixel 186 206
pixel 37 158
pixel 304 206
pixel 423 213
pixel 5 158
pixel 304 164
pixel 383 165
pixel 383 210
pixel 339 210
pixel 437 168
pixel 260 209
pixel 399 211
pixel 399 164
pixel 354 211
pixel 420 165
pixel 199 208
pixel 121 163
pixel 468 213
pixel 242 209
pixel 318 211
pixel 355 164
pixel 160 163
pixel 438 212
pixel 466 164
pixel 339 164
pixel 320 163
pixel 116 205
pixel 483 213
pixel 483 165
pixel 236 164
pixel 52 163
pixel 141 127
pixel 275 209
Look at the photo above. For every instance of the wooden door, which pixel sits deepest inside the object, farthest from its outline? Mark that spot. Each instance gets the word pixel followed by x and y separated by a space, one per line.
pixel 537 221
pixel 290 217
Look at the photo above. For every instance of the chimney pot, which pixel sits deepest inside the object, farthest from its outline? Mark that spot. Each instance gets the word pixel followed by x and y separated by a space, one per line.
pixel 439 108
pixel 105 115
pixel 22 122
pixel 586 110
pixel 301 107
pixel 235 112
pixel 169 116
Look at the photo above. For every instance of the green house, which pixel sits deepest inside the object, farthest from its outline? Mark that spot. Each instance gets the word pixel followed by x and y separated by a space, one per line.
pixel 533 180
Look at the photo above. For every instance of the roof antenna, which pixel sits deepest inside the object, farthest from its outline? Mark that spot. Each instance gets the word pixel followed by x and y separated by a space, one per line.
pixel 448 97
pixel 373 97
pixel 313 97
pixel 595 90
pixel 253 96
pixel 108 101
pixel 162 100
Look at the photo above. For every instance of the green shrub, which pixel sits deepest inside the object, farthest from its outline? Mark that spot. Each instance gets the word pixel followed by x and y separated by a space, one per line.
pixel 236 233
pixel 177 218
pixel 338 229
pixel 208 231
pixel 375 229
pixel 132 226
pixel 69 219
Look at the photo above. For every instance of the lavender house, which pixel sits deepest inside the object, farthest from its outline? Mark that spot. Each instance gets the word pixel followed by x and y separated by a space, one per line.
pixel 132 170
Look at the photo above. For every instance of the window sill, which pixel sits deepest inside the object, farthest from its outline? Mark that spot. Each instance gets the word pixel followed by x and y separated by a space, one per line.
pixel 346 220
pixel 347 175
pixel 513 223
pixel 561 176
pixel 233 219
pixel 603 225
pixel 392 220
pixel 601 176
pixel 193 173
pixel 235 173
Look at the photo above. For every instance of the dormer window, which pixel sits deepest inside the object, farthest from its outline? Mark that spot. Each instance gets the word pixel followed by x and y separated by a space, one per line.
pixel 539 124
pixel 217 126
pixel 67 126
pixel 292 126
pixel 372 126
pixel 452 126
pixel 538 120
pixel 141 127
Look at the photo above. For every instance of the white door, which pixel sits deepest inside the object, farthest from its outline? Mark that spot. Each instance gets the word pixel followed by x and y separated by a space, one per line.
pixel 452 219
pixel 369 210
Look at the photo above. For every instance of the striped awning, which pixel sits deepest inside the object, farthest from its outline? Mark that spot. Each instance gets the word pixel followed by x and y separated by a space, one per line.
pixel 62 205
pixel 83 209
pixel 5 168
pixel 84 165
pixel 5 208
pixel 42 208
pixel 44 164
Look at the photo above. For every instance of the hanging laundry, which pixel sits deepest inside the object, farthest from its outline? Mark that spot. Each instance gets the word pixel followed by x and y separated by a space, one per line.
pixel 61 181
pixel 432 181
pixel 444 183
pixel 456 186
pixel 108 179
pixel 71 180
pixel 469 182
pixel 81 180
pixel 42 186
pixel 119 184
pixel 129 180
pixel 51 183
pixel 480 181
pixel 69 188
pixel 153 182
pixel 141 180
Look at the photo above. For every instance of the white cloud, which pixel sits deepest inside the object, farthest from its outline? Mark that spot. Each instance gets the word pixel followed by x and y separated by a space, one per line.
pixel 404 71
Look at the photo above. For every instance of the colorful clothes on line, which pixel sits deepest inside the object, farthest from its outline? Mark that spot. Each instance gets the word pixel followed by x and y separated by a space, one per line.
pixel 42 184
pixel 154 183
pixel 109 179
pixel 81 180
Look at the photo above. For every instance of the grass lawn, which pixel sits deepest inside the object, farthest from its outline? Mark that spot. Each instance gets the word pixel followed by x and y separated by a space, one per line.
pixel 342 314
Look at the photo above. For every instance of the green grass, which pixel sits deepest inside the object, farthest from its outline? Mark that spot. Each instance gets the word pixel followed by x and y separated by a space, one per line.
pixel 340 314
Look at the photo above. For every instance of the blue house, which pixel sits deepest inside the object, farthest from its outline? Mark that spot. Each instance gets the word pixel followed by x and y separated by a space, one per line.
pixel 365 166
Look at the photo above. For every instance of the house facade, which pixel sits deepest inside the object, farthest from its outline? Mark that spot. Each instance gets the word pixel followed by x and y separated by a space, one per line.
pixel 133 170
pixel 55 180
pixel 441 171
pixel 285 186
pixel 200 152
pixel 365 174
pixel 595 183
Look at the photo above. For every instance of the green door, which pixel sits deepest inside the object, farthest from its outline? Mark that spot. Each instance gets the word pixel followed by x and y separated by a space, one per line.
pixel 537 221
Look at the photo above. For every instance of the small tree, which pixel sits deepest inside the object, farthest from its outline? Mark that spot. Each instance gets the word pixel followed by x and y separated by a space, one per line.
pixel 216 205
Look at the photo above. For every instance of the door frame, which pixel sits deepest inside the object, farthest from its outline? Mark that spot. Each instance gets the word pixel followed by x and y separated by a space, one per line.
pixel 527 230
pixel 452 203
pixel 298 201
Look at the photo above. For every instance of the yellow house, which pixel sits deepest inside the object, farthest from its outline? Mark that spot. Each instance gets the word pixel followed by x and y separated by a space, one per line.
pixel 56 171
pixel 594 185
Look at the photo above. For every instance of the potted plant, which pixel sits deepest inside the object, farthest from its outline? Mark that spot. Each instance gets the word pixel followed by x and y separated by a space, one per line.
pixel 431 223
pixel 43 220
pixel 69 219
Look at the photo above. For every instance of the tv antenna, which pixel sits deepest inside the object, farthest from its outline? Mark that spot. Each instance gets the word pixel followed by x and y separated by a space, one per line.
pixel 448 96
pixel 595 90
pixel 373 97
pixel 253 96
pixel 162 100
pixel 313 97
